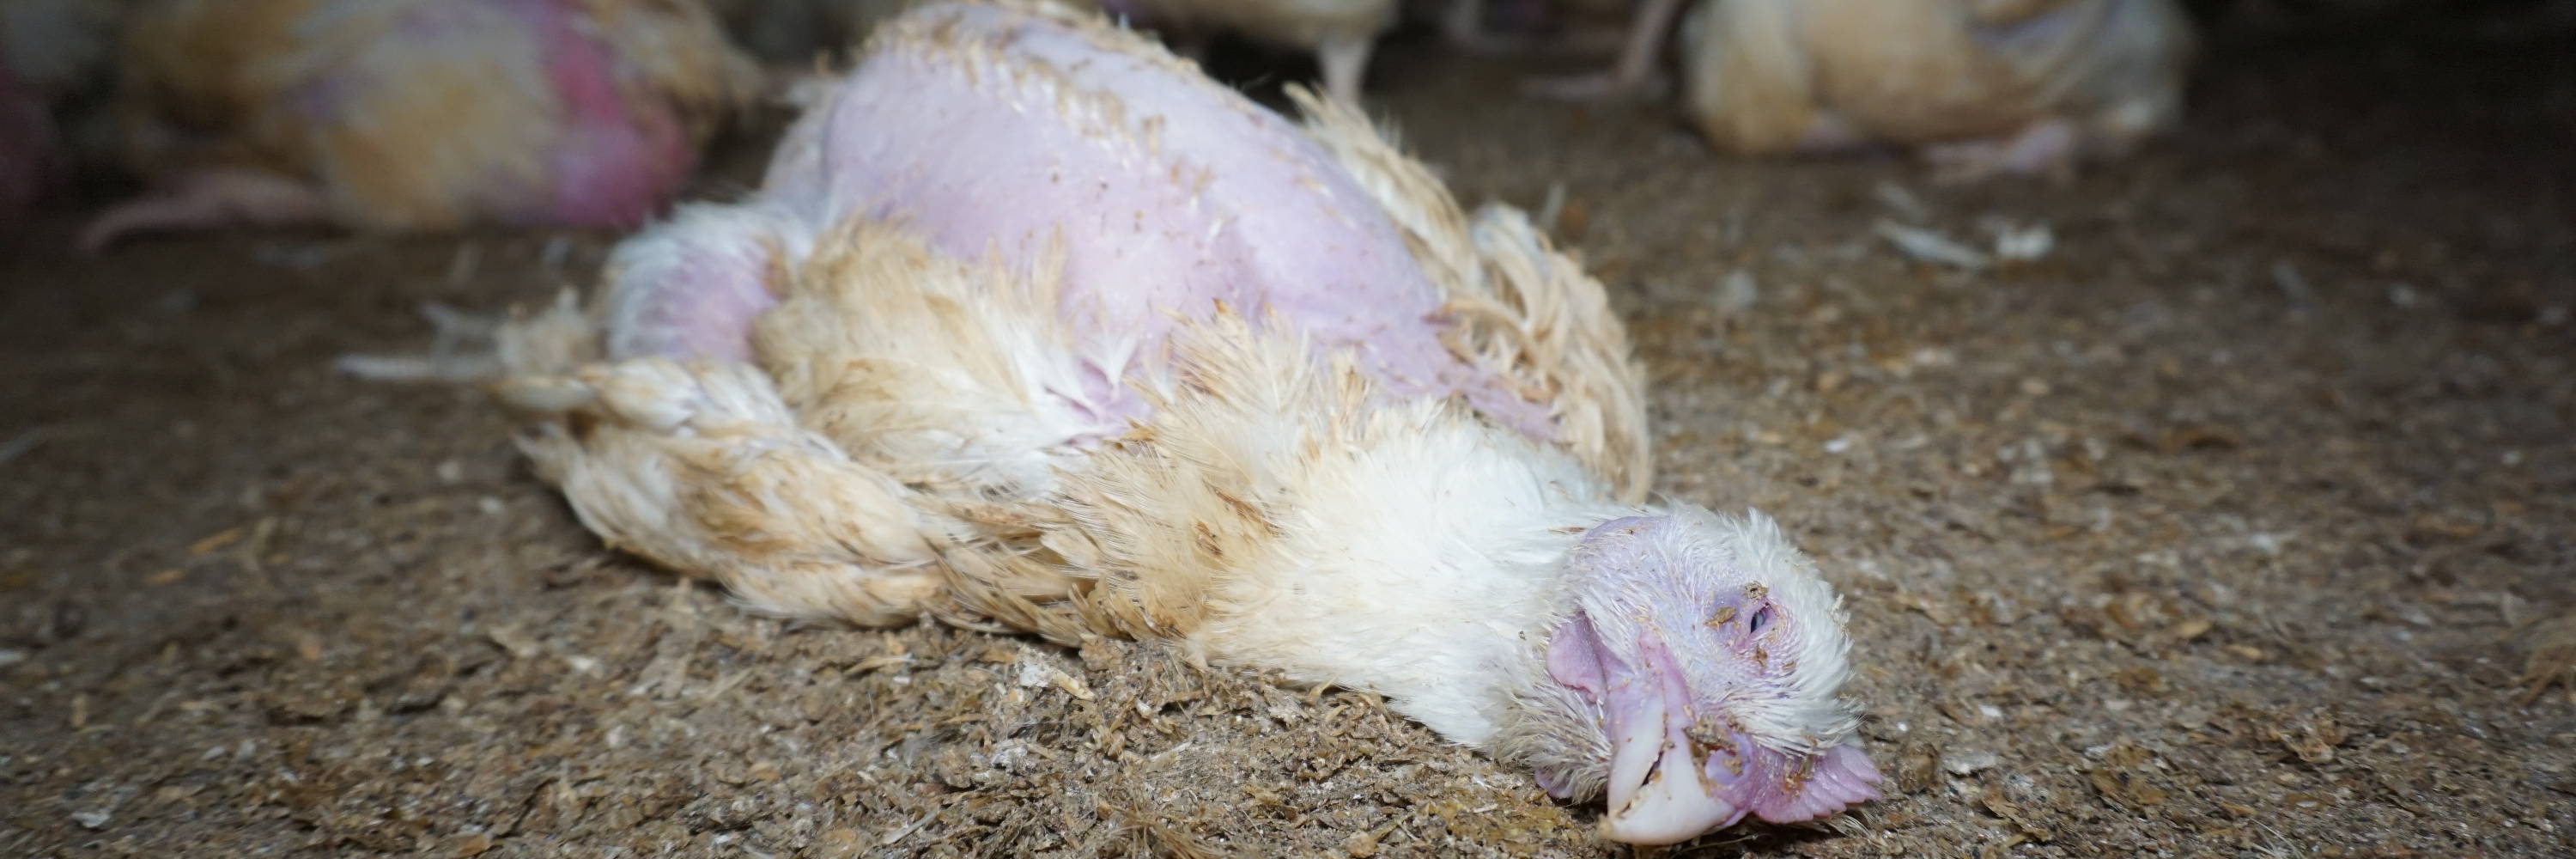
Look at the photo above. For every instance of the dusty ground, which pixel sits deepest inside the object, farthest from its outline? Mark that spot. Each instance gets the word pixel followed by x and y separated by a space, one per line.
pixel 2225 529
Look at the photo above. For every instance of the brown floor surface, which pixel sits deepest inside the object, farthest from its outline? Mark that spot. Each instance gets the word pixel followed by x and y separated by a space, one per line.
pixel 2225 529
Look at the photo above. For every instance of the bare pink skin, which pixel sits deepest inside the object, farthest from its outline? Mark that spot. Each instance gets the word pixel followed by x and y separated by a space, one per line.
pixel 1231 206
pixel 691 288
pixel 615 162
pixel 619 160
pixel 26 147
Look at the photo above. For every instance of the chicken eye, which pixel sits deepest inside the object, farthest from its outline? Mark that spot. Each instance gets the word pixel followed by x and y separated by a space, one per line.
pixel 1760 619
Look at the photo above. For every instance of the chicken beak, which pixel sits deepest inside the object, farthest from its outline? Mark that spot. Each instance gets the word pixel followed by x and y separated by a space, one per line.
pixel 1660 787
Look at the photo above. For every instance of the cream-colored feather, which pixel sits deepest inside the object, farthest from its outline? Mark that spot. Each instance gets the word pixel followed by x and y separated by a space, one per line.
pixel 1342 33
pixel 1524 310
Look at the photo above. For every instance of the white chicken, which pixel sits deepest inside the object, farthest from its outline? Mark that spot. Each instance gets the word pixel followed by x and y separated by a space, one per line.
pixel 1984 87
pixel 1033 323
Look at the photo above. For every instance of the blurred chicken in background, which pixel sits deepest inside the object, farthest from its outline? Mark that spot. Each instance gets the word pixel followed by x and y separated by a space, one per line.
pixel 1983 87
pixel 53 57
pixel 795 32
pixel 59 48
pixel 1514 26
pixel 410 115
pixel 1342 33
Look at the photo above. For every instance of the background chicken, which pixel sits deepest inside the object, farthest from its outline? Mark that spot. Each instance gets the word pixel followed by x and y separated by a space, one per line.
pixel 53 56
pixel 976 351
pixel 415 115
pixel 1342 33
pixel 1984 86
pixel 1639 45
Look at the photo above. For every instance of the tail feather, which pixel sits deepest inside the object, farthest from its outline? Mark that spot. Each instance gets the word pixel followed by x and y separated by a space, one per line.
pixel 701 468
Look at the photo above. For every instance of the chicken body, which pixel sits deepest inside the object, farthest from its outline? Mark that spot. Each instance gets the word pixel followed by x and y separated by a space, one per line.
pixel 404 115
pixel 1032 323
pixel 1985 86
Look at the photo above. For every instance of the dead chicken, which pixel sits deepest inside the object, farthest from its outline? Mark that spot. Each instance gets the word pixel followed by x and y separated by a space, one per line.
pixel 404 115
pixel 1033 323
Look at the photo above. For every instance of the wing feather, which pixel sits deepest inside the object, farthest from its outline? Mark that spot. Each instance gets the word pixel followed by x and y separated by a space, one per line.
pixel 1523 310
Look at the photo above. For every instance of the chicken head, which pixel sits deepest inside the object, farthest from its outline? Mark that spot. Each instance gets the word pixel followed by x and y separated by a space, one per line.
pixel 1706 652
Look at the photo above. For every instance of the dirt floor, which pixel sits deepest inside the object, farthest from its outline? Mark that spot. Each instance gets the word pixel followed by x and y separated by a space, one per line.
pixel 2230 526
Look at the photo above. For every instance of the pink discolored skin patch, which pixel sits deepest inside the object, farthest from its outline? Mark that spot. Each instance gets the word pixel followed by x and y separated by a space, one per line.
pixel 618 159
pixel 1166 193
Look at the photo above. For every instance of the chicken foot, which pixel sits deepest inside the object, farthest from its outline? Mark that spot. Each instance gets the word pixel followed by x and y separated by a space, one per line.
pixel 208 199
pixel 2047 147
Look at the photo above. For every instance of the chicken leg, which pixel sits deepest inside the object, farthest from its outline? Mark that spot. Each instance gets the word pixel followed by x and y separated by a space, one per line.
pixel 1646 33
pixel 1345 64
pixel 2046 147
pixel 211 198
